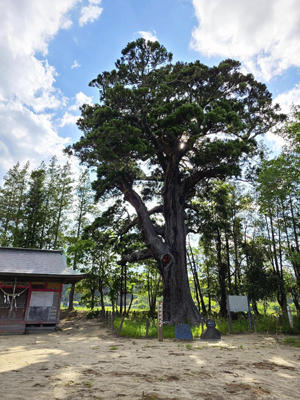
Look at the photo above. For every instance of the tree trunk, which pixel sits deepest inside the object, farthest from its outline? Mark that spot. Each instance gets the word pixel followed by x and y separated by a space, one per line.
pixel 281 293
pixel 255 309
pixel 93 290
pixel 121 289
pixel 125 288
pixel 295 295
pixel 71 297
pixel 58 222
pixel 222 277
pixel 178 304
pixel 237 271
pixel 196 288
pixel 101 297
pixel 294 225
pixel 152 289
pixel 228 261
pixel 170 253
pixel 197 283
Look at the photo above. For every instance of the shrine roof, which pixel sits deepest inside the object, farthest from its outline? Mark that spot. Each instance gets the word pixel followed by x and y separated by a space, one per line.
pixel 38 263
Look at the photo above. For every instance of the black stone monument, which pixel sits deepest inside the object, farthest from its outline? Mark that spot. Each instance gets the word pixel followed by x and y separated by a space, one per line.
pixel 211 332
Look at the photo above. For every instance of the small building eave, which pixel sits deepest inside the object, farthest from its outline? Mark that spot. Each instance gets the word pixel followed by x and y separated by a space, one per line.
pixel 30 277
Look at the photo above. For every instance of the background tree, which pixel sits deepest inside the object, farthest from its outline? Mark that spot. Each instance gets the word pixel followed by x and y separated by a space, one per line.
pixel 12 204
pixel 278 194
pixel 83 211
pixel 260 281
pixel 34 208
pixel 170 127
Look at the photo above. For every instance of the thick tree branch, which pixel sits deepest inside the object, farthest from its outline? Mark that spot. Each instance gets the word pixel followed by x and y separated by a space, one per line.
pixel 152 239
pixel 135 221
pixel 138 255
pixel 190 182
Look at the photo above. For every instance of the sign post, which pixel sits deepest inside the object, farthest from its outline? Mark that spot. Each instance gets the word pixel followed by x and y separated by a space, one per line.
pixel 290 315
pixel 160 321
pixel 238 304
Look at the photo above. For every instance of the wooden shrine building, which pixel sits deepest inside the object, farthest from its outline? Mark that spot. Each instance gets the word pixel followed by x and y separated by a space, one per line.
pixel 30 288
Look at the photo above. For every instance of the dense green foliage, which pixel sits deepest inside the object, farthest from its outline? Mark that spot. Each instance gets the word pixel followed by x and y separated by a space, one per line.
pixel 34 205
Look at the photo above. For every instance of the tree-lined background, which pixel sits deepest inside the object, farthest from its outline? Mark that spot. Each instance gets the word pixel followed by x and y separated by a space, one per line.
pixel 244 234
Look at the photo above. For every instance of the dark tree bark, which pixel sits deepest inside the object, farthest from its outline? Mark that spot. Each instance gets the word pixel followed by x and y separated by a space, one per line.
pixel 121 288
pixel 255 309
pixel 71 297
pixel 296 298
pixel 222 268
pixel 208 290
pixel 152 289
pixel 171 253
pixel 199 295
pixel 228 261
pixel 281 292
pixel 100 287
pixel 125 288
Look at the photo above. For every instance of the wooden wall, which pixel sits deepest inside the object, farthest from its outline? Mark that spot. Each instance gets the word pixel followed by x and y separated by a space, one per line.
pixel 38 302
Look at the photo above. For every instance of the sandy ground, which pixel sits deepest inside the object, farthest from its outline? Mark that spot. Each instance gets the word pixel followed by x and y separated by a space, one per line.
pixel 84 361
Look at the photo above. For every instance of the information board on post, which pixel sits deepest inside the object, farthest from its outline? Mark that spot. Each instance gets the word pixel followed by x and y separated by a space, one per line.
pixel 237 304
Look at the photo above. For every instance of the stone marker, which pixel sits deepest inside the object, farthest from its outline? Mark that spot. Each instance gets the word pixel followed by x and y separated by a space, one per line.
pixel 183 332
pixel 211 332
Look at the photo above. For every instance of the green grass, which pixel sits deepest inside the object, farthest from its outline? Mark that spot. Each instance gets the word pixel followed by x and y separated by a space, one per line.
pixel 135 325
pixel 292 341
pixel 264 324
pixel 136 328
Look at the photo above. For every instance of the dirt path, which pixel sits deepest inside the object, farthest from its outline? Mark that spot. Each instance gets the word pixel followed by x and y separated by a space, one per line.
pixel 83 361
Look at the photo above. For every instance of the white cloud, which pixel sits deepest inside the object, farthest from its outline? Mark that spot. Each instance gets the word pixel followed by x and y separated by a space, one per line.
pixel 27 135
pixel 286 100
pixel 69 118
pixel 80 99
pixel 148 36
pixel 75 65
pixel 289 98
pixel 263 34
pixel 27 80
pixel 26 29
pixel 91 12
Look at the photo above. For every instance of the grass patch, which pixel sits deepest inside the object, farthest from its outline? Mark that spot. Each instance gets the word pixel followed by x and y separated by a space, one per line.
pixel 292 341
pixel 136 328
pixel 269 324
pixel 135 325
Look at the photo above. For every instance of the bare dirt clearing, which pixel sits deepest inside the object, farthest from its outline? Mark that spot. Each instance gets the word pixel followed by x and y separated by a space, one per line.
pixel 84 361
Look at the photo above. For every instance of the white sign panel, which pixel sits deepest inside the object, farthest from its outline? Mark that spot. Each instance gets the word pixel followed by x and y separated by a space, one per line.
pixel 41 299
pixel 238 303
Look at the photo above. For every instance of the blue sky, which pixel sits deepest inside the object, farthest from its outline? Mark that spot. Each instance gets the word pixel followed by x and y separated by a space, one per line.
pixel 51 49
